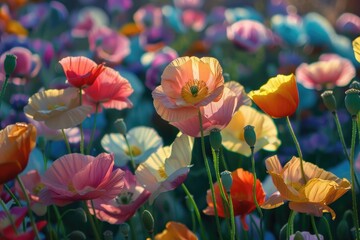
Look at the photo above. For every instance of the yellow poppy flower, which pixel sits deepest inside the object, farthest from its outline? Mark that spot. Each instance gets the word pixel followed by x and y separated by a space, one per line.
pixel 279 97
pixel 356 48
pixel 176 231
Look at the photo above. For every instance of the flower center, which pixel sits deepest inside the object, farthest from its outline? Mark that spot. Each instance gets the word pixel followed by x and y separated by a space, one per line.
pixel 71 187
pixel 135 151
pixel 56 107
pixel 194 91
pixel 124 198
pixel 38 188
pixel 162 172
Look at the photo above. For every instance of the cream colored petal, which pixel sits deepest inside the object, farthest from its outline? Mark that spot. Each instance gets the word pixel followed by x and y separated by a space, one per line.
pixel 274 201
pixel 181 152
pixel 68 119
pixel 356 48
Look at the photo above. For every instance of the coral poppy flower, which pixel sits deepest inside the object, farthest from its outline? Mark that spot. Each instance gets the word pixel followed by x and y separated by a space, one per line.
pixel 59 109
pixel 81 71
pixel 176 231
pixel 75 177
pixel 124 205
pixel 16 143
pixel 312 197
pixel 279 97
pixel 167 168
pixel 110 90
pixel 241 194
pixel 265 130
pixel 215 115
pixel 186 84
pixel 331 70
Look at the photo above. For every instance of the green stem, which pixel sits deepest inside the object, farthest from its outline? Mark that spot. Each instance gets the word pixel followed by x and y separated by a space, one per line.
pixel 93 130
pixel 209 175
pixel 132 229
pixel 232 218
pixel 290 225
pixel 327 228
pixel 80 125
pixel 254 192
pixel 314 227
pixel 352 173
pixel 342 140
pixel 92 223
pixel 8 215
pixel 4 88
pixel 8 190
pixel 222 158
pixel 66 141
pixel 297 148
pixel 130 153
pixel 31 216
pixel 196 209
pixel 59 221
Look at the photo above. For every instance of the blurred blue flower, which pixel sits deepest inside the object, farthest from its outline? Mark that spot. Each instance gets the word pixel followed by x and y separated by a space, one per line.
pixel 318 29
pixel 233 15
pixel 290 29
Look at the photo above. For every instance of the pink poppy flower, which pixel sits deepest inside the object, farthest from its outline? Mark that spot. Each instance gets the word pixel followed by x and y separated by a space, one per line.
pixel 331 70
pixel 109 45
pixel 148 16
pixel 188 3
pixel 110 90
pixel 76 177
pixel 83 26
pixel 215 115
pixel 194 19
pixel 81 71
pixel 124 205
pixel 28 65
pixel 186 84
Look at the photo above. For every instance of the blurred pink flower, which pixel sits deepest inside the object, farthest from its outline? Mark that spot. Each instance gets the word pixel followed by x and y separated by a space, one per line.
pixel 110 90
pixel 331 70
pixel 148 16
pixel 27 65
pixel 215 115
pixel 188 3
pixel 75 177
pixel 194 19
pixel 109 45
pixel 119 5
pixel 348 23
pixel 124 205
pixel 83 27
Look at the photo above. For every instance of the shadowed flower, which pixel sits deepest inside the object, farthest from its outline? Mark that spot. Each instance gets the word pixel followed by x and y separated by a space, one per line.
pixel 186 84
pixel 265 130
pixel 81 71
pixel 279 97
pixel 215 115
pixel 155 38
pixel 167 168
pixel 59 109
pixel 330 71
pixel 75 177
pixel 176 231
pixel 306 236
pixel 348 23
pixel 241 195
pixel 313 197
pixel 143 142
pixel 110 90
pixel 16 143
pixel 124 205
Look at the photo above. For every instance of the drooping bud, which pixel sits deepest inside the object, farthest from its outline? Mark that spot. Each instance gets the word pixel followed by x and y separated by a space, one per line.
pixel 352 101
pixel 120 125
pixel 215 139
pixel 148 221
pixel 329 100
pixel 226 180
pixel 250 135
pixel 9 64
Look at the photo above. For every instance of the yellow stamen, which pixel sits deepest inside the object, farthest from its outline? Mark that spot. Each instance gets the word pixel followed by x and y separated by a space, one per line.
pixel 162 172
pixel 71 187
pixel 136 151
pixel 38 188
pixel 194 91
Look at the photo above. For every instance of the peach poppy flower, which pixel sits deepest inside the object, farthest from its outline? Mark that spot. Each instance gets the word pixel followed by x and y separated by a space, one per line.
pixel 313 197
pixel 265 130
pixel 75 177
pixel 81 71
pixel 331 70
pixel 176 231
pixel 59 109
pixel 16 143
pixel 241 195
pixel 186 84
pixel 110 90
pixel 279 97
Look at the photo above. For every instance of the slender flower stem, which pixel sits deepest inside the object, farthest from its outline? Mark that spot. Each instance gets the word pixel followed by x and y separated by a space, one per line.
pixel 59 221
pixel 32 219
pixel 290 225
pixel 209 175
pixel 130 153
pixel 232 218
pixel 8 190
pixel 297 148
pixel 132 228
pixel 222 158
pixel 66 141
pixel 93 130
pixel 8 215
pixel 80 125
pixel 314 227
pixel 196 209
pixel 92 223
pixel 341 135
pixel 352 173
pixel 327 228
pixel 254 192
pixel 4 88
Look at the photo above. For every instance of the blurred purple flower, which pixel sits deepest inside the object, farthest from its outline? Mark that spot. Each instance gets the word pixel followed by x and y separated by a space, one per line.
pixel 277 7
pixel 119 5
pixel 148 16
pixel 45 49
pixel 155 38
pixel 183 4
pixel 18 101
pixel 216 15
pixel 348 23
pixel 216 33
pixel 83 26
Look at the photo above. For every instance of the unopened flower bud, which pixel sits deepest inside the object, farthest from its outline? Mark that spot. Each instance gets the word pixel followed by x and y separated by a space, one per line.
pixel 125 229
pixel 250 135
pixel 329 100
pixel 355 84
pixel 120 126
pixel 108 235
pixel 226 180
pixel 189 204
pixel 343 230
pixel 148 221
pixel 298 236
pixel 10 64
pixel 215 139
pixel 76 235
pixel 352 101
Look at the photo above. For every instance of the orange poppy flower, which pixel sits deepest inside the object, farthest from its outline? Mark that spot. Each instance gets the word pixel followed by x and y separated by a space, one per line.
pixel 279 97
pixel 176 231
pixel 16 142
pixel 241 195
pixel 321 187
